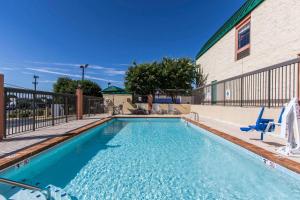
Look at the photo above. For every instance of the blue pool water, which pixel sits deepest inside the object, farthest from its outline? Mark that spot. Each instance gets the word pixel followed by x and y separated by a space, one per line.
pixel 155 159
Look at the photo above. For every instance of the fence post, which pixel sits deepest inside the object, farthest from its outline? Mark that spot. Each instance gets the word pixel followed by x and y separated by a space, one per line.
pixel 89 106
pixel 242 91
pixel 34 110
pixel 269 88
pixel 79 103
pixel 2 108
pixel 52 109
pixel 66 108
pixel 298 81
pixel 224 93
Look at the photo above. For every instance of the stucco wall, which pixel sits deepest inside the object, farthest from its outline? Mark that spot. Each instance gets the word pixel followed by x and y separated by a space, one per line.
pixel 275 38
pixel 179 108
pixel 237 116
pixel 119 99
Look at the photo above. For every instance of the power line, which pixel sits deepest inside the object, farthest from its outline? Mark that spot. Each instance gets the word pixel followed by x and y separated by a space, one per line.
pixel 16 86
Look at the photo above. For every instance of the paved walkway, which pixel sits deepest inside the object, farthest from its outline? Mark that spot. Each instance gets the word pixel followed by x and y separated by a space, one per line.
pixel 271 143
pixel 20 141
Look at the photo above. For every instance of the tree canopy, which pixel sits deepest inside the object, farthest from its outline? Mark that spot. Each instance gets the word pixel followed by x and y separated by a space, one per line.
pixel 69 86
pixel 167 75
pixel 143 78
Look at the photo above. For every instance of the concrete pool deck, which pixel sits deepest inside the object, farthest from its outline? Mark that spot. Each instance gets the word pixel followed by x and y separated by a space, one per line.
pixel 23 140
pixel 66 131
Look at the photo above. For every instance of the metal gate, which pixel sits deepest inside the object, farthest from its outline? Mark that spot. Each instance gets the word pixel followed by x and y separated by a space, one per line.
pixel 93 105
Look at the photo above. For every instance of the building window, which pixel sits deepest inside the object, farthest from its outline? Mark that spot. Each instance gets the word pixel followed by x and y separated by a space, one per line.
pixel 244 36
pixel 243 39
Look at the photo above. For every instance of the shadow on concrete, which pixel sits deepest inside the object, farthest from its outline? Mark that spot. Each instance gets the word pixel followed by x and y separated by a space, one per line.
pixel 33 137
pixel 269 143
pixel 274 144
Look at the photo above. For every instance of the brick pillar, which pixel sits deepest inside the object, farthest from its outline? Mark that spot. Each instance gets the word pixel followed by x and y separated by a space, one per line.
pixel 79 110
pixel 2 108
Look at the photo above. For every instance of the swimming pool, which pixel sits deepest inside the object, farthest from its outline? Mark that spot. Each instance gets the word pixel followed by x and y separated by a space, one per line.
pixel 154 159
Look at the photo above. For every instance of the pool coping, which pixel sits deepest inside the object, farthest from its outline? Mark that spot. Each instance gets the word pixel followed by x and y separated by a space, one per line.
pixel 33 150
pixel 273 157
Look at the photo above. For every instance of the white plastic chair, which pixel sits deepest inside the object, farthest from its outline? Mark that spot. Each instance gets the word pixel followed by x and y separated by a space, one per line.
pixel 171 109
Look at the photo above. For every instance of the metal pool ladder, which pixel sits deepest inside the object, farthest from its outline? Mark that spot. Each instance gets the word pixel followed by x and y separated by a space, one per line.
pixel 195 116
pixel 26 186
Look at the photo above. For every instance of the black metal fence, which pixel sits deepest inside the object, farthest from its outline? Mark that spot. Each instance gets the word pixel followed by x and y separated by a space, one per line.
pixel 271 86
pixel 26 110
pixel 93 105
pixel 139 98
pixel 163 99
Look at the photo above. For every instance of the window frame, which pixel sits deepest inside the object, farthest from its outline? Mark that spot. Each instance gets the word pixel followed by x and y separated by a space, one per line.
pixel 238 27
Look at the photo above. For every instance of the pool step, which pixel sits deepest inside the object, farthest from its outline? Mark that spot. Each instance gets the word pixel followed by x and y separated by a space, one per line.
pixel 56 193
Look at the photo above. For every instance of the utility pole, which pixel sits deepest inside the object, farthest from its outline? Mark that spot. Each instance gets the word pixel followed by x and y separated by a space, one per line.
pixel 35 77
pixel 83 67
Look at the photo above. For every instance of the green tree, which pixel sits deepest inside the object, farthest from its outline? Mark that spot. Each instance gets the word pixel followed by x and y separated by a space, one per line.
pixel 90 88
pixel 201 77
pixel 200 82
pixel 143 79
pixel 69 86
pixel 172 76
pixel 178 76
pixel 65 85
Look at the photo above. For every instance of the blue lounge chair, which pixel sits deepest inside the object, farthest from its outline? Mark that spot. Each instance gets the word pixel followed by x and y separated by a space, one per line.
pixel 264 125
pixel 261 124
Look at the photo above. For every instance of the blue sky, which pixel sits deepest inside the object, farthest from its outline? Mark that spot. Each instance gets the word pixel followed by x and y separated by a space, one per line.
pixel 52 38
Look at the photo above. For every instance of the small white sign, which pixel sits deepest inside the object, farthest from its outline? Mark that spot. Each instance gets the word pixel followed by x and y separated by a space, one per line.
pixel 227 94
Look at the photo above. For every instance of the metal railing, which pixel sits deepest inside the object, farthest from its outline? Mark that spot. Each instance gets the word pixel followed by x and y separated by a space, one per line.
pixel 93 105
pixel 26 186
pixel 271 86
pixel 162 99
pixel 194 116
pixel 27 110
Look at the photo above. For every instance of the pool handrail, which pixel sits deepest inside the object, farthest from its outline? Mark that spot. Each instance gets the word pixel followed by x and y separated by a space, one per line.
pixel 26 186
pixel 196 115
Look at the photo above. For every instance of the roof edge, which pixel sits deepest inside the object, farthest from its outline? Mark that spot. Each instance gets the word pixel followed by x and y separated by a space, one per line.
pixel 237 17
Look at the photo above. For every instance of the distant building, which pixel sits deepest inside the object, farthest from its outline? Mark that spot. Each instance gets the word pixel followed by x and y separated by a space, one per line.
pixel 118 98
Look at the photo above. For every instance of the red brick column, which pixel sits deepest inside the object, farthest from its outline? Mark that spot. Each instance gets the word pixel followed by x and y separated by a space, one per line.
pixel 2 108
pixel 79 106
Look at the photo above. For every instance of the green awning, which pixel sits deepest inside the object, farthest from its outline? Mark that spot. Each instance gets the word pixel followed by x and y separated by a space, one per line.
pixel 114 90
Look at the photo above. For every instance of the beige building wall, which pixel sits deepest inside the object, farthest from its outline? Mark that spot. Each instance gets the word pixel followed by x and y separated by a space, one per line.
pixel 275 38
pixel 179 108
pixel 119 99
pixel 237 116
